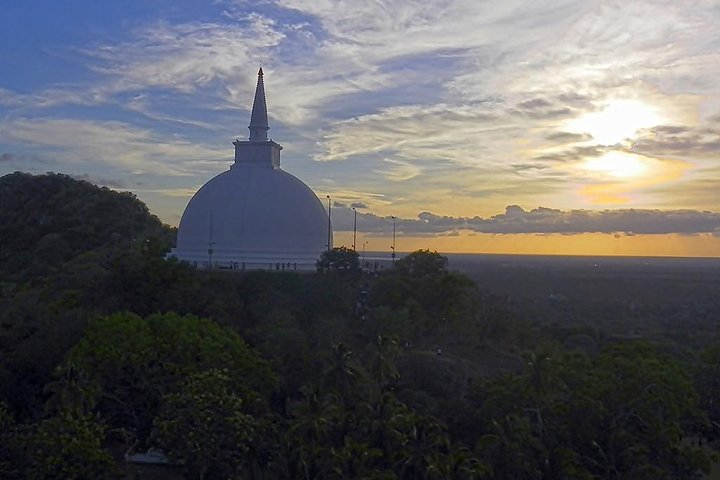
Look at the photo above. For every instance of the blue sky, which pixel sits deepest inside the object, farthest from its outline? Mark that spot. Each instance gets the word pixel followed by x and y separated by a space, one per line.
pixel 583 126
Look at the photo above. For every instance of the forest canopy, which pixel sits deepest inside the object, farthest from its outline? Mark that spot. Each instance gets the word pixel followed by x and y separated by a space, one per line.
pixel 107 350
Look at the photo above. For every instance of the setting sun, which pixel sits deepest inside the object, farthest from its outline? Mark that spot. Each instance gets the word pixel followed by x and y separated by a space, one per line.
pixel 617 121
pixel 617 164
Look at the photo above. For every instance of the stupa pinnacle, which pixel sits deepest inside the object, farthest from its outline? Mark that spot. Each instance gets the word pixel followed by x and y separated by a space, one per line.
pixel 259 117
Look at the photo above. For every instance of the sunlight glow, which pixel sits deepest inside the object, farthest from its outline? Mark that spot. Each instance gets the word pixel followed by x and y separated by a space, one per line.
pixel 618 120
pixel 617 164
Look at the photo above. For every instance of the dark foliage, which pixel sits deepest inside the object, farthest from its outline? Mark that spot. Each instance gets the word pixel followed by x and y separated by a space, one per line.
pixel 411 374
pixel 340 260
pixel 48 220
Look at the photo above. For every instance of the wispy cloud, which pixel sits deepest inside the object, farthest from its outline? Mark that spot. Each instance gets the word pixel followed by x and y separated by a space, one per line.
pixel 187 56
pixel 398 171
pixel 112 143
pixel 46 98
pixel 437 133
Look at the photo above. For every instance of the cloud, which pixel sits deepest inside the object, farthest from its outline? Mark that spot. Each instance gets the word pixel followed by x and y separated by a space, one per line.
pixel 541 109
pixel 414 133
pixel 534 104
pixel 523 167
pixel 47 98
pixel 398 170
pixel 454 105
pixel 215 58
pixel 638 221
pixel 540 220
pixel 186 56
pixel 680 141
pixel 115 144
pixel 22 161
pixel 355 44
pixel 700 189
pixel 378 31
pixel 103 181
pixel 568 137
pixel 183 192
pixel 9 98
pixel 574 154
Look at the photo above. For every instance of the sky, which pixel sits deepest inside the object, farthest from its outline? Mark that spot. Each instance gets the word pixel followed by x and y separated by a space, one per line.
pixel 553 127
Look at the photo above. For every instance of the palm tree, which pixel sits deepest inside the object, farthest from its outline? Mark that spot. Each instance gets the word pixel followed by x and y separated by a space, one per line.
pixel 312 433
pixel 343 374
pixel 424 439
pixel 382 364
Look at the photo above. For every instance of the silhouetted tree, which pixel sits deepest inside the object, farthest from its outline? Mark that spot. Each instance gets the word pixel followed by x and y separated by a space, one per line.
pixel 422 263
pixel 339 259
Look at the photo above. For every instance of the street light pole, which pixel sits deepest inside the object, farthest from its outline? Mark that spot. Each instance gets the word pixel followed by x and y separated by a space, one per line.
pixel 354 228
pixel 393 245
pixel 329 240
pixel 363 256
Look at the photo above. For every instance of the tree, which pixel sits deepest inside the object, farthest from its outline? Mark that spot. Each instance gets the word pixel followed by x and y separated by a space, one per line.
pixel 67 447
pixel 422 263
pixel 339 259
pixel 707 382
pixel 206 428
pixel 47 220
pixel 8 454
pixel 59 237
pixel 623 415
pixel 130 363
pixel 383 362
pixel 343 374
pixel 315 424
pixel 440 303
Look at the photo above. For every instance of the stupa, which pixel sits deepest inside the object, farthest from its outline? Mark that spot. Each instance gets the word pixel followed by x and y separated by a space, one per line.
pixel 254 215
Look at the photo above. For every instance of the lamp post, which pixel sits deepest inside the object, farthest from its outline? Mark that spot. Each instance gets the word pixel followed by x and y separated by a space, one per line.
pixel 363 255
pixel 354 228
pixel 329 240
pixel 393 244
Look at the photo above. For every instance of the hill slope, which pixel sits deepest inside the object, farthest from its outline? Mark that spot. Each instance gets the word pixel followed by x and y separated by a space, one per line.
pixel 47 220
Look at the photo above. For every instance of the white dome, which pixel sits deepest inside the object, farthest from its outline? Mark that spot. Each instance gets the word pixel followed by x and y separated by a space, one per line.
pixel 256 215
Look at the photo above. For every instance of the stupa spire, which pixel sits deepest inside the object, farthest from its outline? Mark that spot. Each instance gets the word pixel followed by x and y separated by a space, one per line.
pixel 259 118
pixel 258 150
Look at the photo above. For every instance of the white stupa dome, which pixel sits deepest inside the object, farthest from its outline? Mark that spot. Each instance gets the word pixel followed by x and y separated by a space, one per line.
pixel 255 215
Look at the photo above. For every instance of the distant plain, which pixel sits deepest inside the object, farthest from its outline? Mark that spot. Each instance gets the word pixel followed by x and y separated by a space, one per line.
pixel 658 298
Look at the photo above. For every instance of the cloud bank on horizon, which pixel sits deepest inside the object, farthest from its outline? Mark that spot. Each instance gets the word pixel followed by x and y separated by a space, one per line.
pixel 540 220
pixel 605 113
